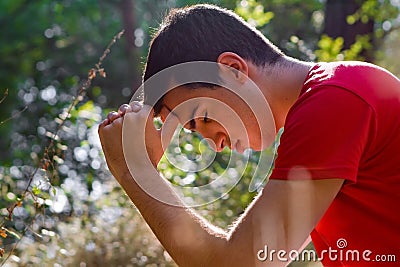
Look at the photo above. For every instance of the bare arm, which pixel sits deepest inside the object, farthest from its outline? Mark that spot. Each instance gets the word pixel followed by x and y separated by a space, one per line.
pixel 281 217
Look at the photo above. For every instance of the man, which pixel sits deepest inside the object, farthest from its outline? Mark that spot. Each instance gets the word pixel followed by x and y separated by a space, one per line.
pixel 337 174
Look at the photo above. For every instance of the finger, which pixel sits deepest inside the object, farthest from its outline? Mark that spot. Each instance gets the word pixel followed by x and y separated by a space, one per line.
pixel 112 116
pixel 101 126
pixel 124 108
pixel 104 122
pixel 136 106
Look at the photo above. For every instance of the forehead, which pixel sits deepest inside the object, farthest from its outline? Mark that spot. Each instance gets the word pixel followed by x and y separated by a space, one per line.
pixel 185 102
pixel 183 94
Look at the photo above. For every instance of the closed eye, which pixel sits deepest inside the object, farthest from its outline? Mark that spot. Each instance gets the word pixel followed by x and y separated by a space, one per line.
pixel 206 119
pixel 192 122
pixel 192 125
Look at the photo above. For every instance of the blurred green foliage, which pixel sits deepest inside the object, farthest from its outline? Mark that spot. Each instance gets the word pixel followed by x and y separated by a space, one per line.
pixel 331 49
pixel 74 212
pixel 384 14
pixel 253 12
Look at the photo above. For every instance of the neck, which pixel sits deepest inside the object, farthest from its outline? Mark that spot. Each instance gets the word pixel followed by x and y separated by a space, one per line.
pixel 281 85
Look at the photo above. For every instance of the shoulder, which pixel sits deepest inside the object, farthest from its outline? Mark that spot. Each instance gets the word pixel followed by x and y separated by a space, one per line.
pixel 327 99
pixel 363 79
pixel 332 71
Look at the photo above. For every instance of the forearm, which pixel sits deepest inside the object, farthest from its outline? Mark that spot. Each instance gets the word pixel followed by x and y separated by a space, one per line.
pixel 188 238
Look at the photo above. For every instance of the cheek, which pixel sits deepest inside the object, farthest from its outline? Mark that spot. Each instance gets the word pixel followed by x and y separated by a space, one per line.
pixel 209 129
pixel 255 135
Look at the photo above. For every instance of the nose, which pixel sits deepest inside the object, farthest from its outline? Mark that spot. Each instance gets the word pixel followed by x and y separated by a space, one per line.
pixel 218 142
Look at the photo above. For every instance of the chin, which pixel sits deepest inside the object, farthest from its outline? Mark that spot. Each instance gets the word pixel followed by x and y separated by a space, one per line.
pixel 256 148
pixel 260 147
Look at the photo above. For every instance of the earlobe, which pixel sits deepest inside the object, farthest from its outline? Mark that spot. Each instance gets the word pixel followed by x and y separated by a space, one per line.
pixel 236 64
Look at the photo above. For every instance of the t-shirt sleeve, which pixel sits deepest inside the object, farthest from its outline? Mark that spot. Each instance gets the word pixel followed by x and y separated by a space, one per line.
pixel 326 133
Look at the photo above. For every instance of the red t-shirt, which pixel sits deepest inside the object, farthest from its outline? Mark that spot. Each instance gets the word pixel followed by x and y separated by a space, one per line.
pixel 346 124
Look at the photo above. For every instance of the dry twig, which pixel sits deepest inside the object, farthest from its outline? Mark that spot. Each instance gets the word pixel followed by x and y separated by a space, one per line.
pixel 49 151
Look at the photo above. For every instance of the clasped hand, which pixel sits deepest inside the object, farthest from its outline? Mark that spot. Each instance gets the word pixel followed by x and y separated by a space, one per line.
pixel 138 136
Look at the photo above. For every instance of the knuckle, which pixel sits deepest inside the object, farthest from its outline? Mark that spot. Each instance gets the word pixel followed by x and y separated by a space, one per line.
pixel 117 122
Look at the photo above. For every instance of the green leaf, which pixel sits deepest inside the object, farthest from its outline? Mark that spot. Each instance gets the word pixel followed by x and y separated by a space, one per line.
pixel 36 191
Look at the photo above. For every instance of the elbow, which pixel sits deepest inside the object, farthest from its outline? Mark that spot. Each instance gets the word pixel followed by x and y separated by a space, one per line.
pixel 194 250
pixel 229 253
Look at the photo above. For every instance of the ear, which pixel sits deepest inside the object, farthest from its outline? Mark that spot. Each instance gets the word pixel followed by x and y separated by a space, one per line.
pixel 236 63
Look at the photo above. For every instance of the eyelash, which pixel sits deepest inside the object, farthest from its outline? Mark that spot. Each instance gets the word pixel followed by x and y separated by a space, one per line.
pixel 206 119
pixel 192 122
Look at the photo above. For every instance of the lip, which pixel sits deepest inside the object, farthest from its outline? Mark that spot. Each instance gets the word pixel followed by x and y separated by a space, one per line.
pixel 238 148
pixel 236 145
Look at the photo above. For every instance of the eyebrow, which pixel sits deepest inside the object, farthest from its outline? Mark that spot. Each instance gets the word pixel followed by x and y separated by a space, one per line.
pixel 192 122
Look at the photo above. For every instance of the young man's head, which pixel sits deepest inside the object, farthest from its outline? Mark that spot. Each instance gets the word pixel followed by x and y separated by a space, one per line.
pixel 204 33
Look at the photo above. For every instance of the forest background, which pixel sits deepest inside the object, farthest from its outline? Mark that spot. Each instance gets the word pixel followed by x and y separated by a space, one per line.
pixel 59 205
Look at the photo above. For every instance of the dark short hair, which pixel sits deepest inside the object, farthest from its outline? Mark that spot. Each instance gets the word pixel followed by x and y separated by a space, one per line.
pixel 201 33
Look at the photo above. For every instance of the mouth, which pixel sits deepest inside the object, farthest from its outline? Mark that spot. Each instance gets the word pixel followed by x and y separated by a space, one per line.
pixel 237 147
